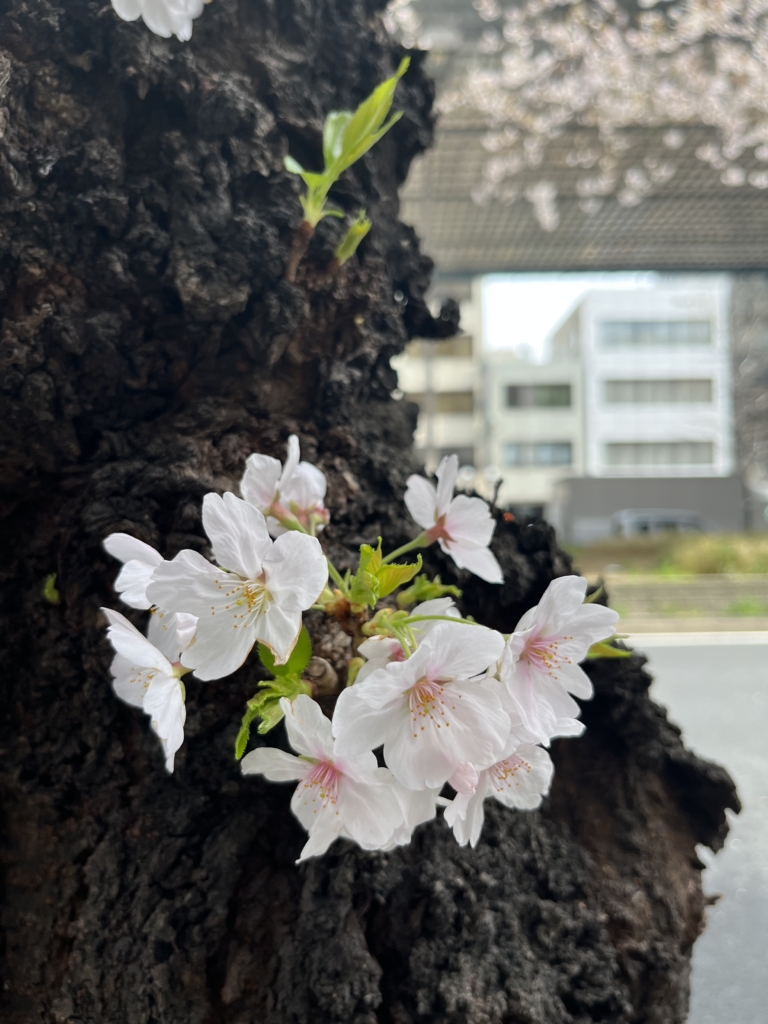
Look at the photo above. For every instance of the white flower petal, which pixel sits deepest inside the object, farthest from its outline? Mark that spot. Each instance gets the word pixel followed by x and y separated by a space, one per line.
pixel 380 650
pixel 221 644
pixel 275 765
pixel 458 651
pixel 279 629
pixel 420 760
pixel 164 703
pixel 465 815
pixel 295 570
pixel 128 10
pixel 418 805
pixel 259 482
pixel 588 625
pixel 522 779
pixel 157 18
pixel 171 632
pixel 469 522
pixel 306 487
pixel 447 472
pixel 562 597
pixel 541 701
pixel 326 829
pixel 479 725
pixel 465 778
pixel 129 549
pixel 238 534
pixel 421 501
pixel 130 682
pixel 480 561
pixel 186 583
pixel 357 725
pixel 132 582
pixel 291 461
pixel 309 731
pixel 371 813
pixel 437 606
pixel 129 642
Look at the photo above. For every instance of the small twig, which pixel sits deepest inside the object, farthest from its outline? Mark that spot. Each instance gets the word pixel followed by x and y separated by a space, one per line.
pixel 300 245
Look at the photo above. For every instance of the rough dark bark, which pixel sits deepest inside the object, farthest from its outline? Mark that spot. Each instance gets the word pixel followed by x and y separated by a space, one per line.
pixel 149 343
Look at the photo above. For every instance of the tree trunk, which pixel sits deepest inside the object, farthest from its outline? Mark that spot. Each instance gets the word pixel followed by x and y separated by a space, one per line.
pixel 149 343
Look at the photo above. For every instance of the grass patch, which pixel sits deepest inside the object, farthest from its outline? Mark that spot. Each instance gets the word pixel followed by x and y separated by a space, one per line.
pixel 751 607
pixel 670 555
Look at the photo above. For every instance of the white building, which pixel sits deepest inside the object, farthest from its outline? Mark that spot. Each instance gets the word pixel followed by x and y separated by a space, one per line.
pixel 637 388
pixel 533 434
pixel 656 379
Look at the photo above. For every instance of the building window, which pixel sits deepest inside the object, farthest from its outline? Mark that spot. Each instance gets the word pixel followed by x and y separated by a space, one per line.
pixel 658 454
pixel 618 392
pixel 535 396
pixel 445 401
pixel 654 333
pixel 538 453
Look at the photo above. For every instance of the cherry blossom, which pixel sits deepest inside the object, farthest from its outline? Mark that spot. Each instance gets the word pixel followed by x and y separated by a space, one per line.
pixel 519 780
pixel 348 796
pixel 260 595
pixel 463 526
pixel 147 672
pixel 431 711
pixel 139 562
pixel 417 805
pixel 540 666
pixel 293 492
pixel 380 650
pixel 165 18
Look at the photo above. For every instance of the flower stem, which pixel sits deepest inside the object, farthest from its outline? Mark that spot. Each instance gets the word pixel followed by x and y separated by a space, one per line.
pixel 418 542
pixel 337 578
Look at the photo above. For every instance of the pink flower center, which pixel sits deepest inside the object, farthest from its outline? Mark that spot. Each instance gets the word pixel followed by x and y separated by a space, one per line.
pixel 429 702
pixel 543 653
pixel 502 774
pixel 439 531
pixel 323 780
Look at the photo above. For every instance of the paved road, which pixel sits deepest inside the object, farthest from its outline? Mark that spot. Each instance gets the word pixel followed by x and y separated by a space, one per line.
pixel 717 692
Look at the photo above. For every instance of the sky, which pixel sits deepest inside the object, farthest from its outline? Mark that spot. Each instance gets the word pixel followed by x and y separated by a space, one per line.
pixel 522 309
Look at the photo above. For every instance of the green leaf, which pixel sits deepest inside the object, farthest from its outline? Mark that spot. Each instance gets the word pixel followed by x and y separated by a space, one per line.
pixel 425 589
pixel 595 595
pixel 364 585
pixel 393 576
pixel 266 706
pixel 364 127
pixel 293 165
pixel 245 732
pixel 297 661
pixel 347 247
pixel 317 182
pixel 50 593
pixel 333 135
pixel 603 649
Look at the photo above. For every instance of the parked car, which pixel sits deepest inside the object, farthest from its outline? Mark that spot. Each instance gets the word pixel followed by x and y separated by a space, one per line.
pixel 633 522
